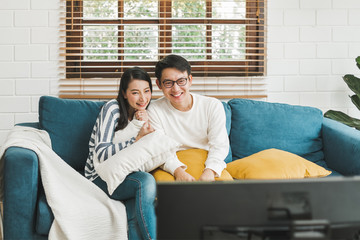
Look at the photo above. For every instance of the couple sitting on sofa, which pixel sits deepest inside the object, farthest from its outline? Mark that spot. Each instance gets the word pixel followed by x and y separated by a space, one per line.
pixel 192 120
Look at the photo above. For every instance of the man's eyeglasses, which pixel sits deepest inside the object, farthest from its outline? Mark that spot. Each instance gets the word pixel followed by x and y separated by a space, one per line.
pixel 180 82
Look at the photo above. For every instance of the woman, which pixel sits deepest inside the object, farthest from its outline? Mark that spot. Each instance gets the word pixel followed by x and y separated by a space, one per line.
pixel 120 116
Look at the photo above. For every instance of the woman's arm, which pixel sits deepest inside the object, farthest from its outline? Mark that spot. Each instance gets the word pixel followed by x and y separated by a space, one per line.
pixel 107 122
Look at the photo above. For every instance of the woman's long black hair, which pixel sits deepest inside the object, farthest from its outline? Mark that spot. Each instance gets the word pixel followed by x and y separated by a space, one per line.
pixel 129 75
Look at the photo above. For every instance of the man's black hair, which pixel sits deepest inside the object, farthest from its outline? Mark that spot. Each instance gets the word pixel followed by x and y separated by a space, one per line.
pixel 172 61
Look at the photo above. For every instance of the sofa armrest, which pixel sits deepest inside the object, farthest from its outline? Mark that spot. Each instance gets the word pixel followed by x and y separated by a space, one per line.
pixel 341 147
pixel 20 193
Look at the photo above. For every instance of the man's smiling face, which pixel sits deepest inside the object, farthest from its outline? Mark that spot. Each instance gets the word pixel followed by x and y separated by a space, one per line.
pixel 179 96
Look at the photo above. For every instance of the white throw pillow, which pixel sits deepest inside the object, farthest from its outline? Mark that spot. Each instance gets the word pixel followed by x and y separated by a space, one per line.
pixel 148 153
pixel 131 130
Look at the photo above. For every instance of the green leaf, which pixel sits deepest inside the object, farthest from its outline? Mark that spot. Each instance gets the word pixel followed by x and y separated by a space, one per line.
pixel 353 83
pixel 358 62
pixel 343 118
pixel 356 101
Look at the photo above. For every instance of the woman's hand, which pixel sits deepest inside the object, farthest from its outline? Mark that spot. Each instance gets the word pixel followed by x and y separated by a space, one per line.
pixel 141 115
pixel 181 175
pixel 145 129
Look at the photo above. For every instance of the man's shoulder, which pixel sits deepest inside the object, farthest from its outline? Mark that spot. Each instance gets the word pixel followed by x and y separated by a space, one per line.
pixel 208 101
pixel 157 104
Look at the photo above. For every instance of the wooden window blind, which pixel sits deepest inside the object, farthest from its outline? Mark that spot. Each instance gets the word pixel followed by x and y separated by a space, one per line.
pixel 224 41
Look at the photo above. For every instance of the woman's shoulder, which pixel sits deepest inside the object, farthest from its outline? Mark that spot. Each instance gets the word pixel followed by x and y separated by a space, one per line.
pixel 110 105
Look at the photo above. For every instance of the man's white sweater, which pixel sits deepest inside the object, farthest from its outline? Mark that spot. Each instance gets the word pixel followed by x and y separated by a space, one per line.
pixel 203 126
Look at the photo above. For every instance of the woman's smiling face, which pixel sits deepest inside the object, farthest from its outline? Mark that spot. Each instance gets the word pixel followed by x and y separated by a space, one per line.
pixel 138 94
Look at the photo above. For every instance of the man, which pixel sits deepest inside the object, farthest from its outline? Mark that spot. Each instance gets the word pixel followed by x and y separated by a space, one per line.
pixel 193 120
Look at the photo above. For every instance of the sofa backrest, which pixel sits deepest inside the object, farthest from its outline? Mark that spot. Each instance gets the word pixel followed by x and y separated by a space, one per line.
pixel 259 125
pixel 228 128
pixel 69 124
pixel 255 126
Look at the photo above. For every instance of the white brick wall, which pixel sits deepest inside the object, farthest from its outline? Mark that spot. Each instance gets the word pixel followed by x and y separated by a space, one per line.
pixel 26 87
pixel 332 50
pixel 300 51
pixel 31 18
pixel 7 87
pixel 347 4
pixel 318 4
pixel 28 58
pixel 15 36
pixel 311 45
pixel 315 34
pixel 299 17
pixel 7 53
pixel 6 19
pixel 332 17
pixel 31 53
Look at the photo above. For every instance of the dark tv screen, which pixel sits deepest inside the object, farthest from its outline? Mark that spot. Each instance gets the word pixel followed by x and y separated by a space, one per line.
pixel 321 208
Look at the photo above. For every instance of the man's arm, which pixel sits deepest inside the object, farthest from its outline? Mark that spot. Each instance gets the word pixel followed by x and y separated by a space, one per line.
pixel 218 140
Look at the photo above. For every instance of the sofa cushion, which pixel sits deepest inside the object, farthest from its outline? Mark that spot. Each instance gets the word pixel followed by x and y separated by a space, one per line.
pixel 258 125
pixel 194 159
pixel 146 154
pixel 275 164
pixel 69 124
pixel 228 127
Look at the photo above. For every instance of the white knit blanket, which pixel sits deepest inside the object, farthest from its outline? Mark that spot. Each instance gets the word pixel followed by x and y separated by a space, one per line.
pixel 81 209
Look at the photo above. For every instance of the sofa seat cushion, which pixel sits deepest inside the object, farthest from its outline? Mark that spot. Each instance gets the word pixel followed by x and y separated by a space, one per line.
pixel 323 164
pixel 258 125
pixel 69 124
pixel 44 215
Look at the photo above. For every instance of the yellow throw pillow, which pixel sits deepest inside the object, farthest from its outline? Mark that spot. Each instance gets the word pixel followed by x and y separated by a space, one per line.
pixel 194 159
pixel 274 164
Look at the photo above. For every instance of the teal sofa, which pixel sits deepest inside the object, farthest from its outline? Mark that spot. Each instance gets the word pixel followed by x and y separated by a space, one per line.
pixel 252 126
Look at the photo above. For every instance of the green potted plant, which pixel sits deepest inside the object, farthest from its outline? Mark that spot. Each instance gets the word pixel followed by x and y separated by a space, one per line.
pixel 354 84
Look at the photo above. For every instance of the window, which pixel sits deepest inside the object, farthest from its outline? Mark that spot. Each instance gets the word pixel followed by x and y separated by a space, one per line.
pixel 221 39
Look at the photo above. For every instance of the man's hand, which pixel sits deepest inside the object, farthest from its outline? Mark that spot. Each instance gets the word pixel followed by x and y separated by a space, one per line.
pixel 207 175
pixel 181 175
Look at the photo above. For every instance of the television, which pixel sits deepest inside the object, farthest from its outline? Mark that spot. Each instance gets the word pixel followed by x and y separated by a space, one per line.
pixel 321 208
